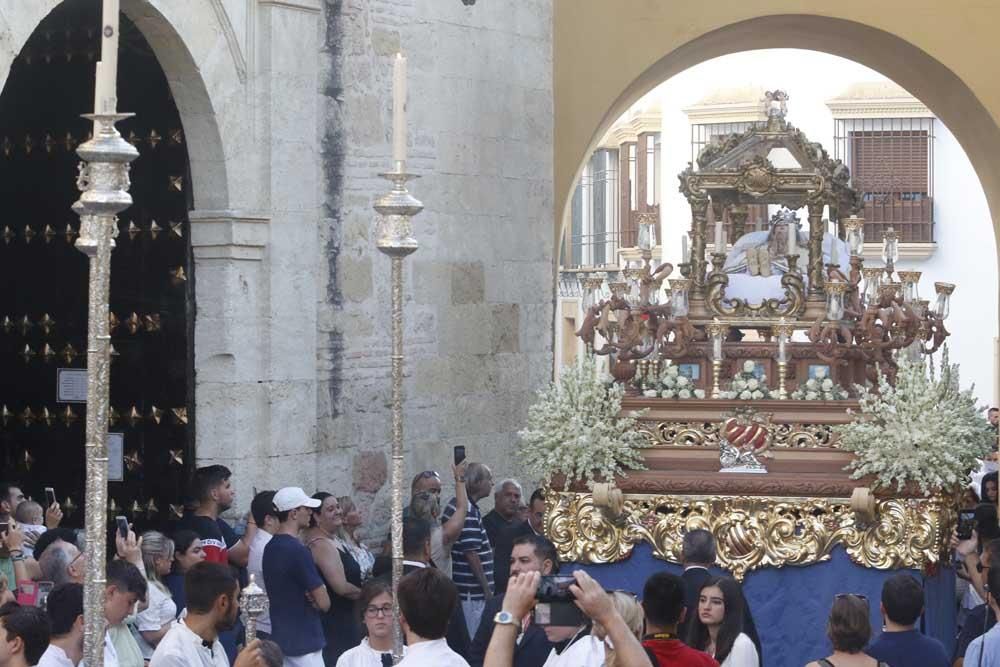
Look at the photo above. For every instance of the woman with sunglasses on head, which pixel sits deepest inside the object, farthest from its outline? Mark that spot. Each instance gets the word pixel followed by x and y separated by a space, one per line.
pixel 427 506
pixel 375 606
pixel 717 629
pixel 849 631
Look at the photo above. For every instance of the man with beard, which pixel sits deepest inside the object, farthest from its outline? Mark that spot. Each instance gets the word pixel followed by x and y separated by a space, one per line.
pixel 212 592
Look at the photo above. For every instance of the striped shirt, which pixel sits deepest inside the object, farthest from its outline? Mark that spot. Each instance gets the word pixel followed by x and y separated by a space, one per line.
pixel 473 538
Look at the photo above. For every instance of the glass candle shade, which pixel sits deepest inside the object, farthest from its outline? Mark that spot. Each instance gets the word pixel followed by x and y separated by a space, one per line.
pixel 910 279
pixel 872 282
pixel 920 307
pixel 716 331
pixel 679 288
pixel 854 231
pixel 890 247
pixel 943 306
pixel 835 300
pixel 647 235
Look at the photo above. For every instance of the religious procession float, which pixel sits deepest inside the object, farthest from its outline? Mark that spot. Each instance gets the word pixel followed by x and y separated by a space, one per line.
pixel 779 392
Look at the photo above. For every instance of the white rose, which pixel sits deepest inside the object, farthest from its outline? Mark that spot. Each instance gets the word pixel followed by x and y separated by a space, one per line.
pixel 812 384
pixel 650 393
pixel 752 384
pixel 699 393
pixel 672 371
pixel 811 396
pixel 763 377
pixel 820 373
pixel 745 395
pixel 748 366
pixel 739 385
pixel 669 382
pixel 684 393
pixel 683 381
pixel 827 384
pixel 758 394
pixel 667 393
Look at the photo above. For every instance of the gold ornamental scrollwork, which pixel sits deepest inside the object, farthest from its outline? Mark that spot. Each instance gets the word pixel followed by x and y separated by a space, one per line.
pixel 680 434
pixel 754 532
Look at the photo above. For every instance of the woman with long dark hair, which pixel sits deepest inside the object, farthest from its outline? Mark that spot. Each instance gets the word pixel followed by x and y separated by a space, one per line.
pixel 718 627
pixel 341 574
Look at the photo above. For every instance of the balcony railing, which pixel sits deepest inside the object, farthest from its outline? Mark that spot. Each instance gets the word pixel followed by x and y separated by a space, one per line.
pixel 590 250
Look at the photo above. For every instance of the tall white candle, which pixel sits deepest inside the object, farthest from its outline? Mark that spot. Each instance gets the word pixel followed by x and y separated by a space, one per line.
pixel 834 250
pixel 107 84
pixel 793 241
pixel 685 253
pixel 718 236
pixel 399 108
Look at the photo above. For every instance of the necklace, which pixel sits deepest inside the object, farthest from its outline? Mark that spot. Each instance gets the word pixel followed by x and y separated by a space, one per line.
pixel 661 635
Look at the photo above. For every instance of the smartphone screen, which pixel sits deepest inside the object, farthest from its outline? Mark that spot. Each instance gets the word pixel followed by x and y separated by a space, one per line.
pixel 459 454
pixel 966 524
pixel 122 525
pixel 50 496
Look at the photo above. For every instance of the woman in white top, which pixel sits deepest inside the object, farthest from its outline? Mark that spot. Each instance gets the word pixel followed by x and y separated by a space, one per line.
pixel 154 621
pixel 348 533
pixel 427 506
pixel 375 603
pixel 718 628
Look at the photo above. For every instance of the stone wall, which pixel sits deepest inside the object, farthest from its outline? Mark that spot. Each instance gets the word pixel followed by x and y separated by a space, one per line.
pixel 479 290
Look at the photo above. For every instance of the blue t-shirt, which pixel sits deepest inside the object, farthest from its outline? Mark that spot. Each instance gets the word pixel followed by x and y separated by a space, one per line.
pixel 290 573
pixel 908 648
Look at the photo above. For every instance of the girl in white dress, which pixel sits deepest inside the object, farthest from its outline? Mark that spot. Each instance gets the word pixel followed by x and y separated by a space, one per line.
pixel 375 603
pixel 718 628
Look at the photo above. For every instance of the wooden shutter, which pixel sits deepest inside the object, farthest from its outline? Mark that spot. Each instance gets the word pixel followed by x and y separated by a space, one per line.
pixel 890 162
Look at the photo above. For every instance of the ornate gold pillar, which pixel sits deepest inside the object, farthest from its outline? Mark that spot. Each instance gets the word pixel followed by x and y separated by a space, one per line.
pixel 699 217
pixel 738 214
pixel 816 250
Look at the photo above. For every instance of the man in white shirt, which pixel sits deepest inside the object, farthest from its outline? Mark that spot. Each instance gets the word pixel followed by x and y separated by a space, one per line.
pixel 64 607
pixel 211 591
pixel 262 513
pixel 125 587
pixel 427 599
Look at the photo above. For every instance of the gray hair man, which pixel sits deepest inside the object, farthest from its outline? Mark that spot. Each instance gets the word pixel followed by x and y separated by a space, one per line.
pixel 501 524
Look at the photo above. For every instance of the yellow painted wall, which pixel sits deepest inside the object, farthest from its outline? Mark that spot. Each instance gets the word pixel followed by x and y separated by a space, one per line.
pixel 608 53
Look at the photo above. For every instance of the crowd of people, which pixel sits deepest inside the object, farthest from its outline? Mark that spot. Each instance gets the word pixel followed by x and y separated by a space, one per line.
pixel 479 590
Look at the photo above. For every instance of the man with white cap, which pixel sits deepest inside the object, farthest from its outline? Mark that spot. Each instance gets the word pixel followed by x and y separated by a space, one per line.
pixel 295 589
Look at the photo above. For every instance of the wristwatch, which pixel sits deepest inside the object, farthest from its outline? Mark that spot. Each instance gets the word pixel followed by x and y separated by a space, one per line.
pixel 506 618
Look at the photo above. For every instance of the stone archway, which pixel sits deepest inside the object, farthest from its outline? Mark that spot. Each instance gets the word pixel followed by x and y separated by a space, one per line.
pixel 578 129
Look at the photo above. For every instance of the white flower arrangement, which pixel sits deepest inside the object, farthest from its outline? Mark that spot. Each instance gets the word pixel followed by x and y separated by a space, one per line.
pixel 671 384
pixel 748 387
pixel 576 430
pixel 925 430
pixel 820 388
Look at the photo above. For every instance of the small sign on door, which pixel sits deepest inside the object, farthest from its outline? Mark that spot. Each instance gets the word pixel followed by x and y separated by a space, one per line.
pixel 71 385
pixel 116 457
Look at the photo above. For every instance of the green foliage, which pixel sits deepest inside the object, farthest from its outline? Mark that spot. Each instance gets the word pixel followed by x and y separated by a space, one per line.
pixel 575 429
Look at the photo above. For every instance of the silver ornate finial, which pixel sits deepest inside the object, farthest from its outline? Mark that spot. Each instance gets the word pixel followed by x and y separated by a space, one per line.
pixel 253 602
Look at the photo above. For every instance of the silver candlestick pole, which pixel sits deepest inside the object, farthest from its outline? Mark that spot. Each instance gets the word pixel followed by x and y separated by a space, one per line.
pixel 393 237
pixel 104 183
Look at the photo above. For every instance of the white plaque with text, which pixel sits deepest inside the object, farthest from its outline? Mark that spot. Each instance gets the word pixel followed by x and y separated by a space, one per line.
pixel 71 385
pixel 116 457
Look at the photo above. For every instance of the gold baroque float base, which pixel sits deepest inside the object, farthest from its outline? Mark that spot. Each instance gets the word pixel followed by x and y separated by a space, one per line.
pixel 753 532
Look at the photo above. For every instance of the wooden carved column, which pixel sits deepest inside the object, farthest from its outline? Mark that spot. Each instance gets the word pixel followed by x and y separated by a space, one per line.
pixel 699 217
pixel 816 250
pixel 738 214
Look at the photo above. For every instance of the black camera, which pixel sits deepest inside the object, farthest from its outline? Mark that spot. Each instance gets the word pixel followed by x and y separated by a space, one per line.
pixel 555 602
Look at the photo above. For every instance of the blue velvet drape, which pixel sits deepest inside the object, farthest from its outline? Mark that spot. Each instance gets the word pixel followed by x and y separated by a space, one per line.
pixel 790 605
